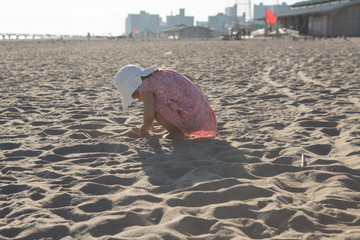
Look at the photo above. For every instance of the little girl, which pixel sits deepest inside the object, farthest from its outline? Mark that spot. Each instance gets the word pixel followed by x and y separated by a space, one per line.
pixel 170 98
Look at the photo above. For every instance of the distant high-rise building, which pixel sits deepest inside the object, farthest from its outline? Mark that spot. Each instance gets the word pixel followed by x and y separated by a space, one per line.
pixel 220 23
pixel 229 11
pixel 143 22
pixel 244 11
pixel 180 19
pixel 202 24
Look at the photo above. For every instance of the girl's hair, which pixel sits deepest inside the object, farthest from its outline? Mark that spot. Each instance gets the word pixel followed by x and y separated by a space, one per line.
pixel 156 70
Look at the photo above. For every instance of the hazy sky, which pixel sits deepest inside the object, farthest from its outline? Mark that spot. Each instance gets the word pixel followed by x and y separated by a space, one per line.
pixel 99 17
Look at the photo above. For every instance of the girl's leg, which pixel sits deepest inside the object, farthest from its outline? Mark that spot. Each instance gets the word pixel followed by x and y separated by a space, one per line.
pixel 174 132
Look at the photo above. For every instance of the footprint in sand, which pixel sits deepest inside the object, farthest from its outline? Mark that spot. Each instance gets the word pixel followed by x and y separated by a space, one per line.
pixel 55 131
pixel 57 201
pixel 324 124
pixel 98 189
pixel 88 126
pixel 41 123
pixel 9 146
pixel 320 149
pixel 95 148
pixel 99 205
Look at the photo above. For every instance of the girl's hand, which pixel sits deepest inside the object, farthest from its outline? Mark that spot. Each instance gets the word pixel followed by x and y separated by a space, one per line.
pixel 145 129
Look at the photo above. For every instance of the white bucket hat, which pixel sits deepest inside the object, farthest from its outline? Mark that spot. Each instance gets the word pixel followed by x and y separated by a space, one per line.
pixel 128 79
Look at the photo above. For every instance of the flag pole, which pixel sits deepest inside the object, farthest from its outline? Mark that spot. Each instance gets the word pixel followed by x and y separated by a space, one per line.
pixel 266 29
pixel 266 25
pixel 277 20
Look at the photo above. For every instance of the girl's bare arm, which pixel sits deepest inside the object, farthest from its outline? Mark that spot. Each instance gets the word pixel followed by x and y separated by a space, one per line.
pixel 149 112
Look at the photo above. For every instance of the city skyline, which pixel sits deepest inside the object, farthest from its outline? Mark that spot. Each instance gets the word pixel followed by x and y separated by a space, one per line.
pixel 98 17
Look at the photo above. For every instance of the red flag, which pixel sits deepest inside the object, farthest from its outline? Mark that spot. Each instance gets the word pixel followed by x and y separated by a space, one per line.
pixel 270 17
pixel 135 31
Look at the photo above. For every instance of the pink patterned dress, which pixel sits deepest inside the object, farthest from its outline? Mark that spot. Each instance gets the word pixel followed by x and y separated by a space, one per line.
pixel 181 102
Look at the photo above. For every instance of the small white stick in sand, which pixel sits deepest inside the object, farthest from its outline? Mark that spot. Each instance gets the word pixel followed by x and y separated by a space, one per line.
pixel 303 163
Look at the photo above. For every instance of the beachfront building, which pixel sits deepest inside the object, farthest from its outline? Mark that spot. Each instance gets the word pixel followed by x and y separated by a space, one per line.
pixel 220 23
pixel 146 33
pixel 259 11
pixel 142 25
pixel 180 32
pixel 202 24
pixel 180 19
pixel 229 11
pixel 324 18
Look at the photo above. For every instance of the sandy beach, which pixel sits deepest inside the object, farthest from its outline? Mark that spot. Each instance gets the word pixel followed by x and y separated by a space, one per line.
pixel 71 168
